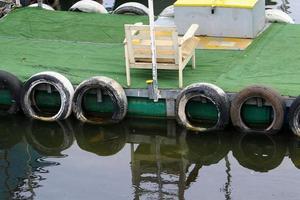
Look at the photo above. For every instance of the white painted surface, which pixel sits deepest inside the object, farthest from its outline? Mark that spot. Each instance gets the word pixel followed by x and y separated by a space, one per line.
pixel 222 22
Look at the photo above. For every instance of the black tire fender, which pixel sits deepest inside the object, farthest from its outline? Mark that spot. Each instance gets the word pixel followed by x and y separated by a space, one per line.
pixel 294 116
pixel 61 84
pixel 132 8
pixel 14 85
pixel 266 93
pixel 113 89
pixel 209 91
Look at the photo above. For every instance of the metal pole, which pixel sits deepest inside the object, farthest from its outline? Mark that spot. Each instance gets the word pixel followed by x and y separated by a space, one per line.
pixel 153 51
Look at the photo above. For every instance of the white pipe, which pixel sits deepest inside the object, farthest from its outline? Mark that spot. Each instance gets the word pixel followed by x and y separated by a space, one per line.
pixel 153 51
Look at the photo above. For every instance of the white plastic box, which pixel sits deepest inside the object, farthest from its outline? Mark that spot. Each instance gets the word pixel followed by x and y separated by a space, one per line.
pixel 221 18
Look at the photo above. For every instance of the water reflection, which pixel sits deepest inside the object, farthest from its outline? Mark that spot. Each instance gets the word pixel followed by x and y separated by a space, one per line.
pixel 21 166
pixel 49 139
pixel 165 160
pixel 260 153
pixel 103 141
pixel 294 151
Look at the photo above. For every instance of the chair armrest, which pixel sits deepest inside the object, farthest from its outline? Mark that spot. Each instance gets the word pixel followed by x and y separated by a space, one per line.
pixel 136 24
pixel 190 33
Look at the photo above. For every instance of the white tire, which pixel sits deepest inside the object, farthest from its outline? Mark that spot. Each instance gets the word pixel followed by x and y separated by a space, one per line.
pixel 61 84
pixel 132 8
pixel 89 6
pixel 168 12
pixel 44 6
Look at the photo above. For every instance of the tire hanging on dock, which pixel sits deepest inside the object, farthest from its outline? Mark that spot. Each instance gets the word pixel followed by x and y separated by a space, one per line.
pixel 104 85
pixel 44 6
pixel 132 8
pixel 14 85
pixel 294 116
pixel 88 6
pixel 207 91
pixel 48 79
pixel 168 12
pixel 268 95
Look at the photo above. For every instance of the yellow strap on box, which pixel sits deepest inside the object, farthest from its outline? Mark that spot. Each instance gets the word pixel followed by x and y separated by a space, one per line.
pixel 246 4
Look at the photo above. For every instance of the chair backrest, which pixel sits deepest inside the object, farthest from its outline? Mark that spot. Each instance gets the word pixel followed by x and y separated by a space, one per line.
pixel 139 44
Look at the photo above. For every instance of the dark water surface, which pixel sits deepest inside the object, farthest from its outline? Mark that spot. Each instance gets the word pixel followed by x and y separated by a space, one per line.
pixel 143 159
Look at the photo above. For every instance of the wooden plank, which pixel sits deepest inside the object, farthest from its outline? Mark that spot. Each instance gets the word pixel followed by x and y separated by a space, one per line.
pixel 147 37
pixel 128 43
pixel 159 66
pixel 143 55
pixel 146 28
pixel 144 47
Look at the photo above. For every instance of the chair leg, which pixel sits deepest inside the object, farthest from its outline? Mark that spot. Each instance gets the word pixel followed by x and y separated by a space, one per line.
pixel 128 74
pixel 194 60
pixel 180 78
pixel 127 67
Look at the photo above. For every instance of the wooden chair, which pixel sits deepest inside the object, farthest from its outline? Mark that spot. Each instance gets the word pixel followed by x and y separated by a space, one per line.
pixel 173 52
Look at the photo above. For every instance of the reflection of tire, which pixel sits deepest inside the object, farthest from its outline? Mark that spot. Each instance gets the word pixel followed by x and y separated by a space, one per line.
pixel 208 91
pixel 294 151
pixel 14 85
pixel 108 86
pixel 60 83
pixel 10 133
pixel 50 138
pixel 269 95
pixel 132 8
pixel 294 116
pixel 207 149
pixel 259 152
pixel 101 140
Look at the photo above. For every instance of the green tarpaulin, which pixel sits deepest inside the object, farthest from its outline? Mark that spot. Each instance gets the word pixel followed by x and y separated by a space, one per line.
pixel 81 45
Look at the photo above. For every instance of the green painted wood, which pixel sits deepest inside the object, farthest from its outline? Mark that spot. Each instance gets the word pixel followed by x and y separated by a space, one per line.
pixel 205 111
pixel 257 115
pixel 144 107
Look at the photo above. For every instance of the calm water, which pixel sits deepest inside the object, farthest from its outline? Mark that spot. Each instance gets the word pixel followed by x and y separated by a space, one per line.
pixel 144 159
